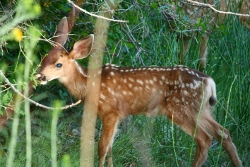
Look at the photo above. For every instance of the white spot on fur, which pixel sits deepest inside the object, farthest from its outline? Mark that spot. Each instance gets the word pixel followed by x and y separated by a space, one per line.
pixel 183 99
pixel 135 88
pixel 124 92
pixel 191 86
pixel 140 81
pixel 111 91
pixel 102 96
pixel 196 84
pixel 131 79
pixel 180 79
pixel 176 100
pixel 185 92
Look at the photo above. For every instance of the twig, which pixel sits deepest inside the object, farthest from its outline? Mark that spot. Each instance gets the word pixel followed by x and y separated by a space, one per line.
pixel 32 101
pixel 218 11
pixel 91 14
pixel 134 42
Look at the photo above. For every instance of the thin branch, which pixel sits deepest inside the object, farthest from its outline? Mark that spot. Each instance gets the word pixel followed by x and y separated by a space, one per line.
pixel 214 9
pixel 91 14
pixel 32 101
pixel 134 42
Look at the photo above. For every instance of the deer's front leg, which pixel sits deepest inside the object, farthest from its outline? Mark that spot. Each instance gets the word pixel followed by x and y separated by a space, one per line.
pixel 184 47
pixel 203 52
pixel 110 122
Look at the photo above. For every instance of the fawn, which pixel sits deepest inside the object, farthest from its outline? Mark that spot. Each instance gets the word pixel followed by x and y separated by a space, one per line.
pixel 180 93
pixel 192 13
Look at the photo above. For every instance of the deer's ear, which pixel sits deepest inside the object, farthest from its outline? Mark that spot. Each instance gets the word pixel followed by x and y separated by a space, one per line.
pixel 82 48
pixel 61 34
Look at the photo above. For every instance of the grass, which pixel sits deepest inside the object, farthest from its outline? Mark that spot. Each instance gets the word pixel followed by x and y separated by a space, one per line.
pixel 143 141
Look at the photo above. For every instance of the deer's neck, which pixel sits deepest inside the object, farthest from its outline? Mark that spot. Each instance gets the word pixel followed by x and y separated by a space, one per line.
pixel 76 84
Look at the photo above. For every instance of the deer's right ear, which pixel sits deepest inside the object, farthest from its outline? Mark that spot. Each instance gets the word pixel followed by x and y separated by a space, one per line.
pixel 82 48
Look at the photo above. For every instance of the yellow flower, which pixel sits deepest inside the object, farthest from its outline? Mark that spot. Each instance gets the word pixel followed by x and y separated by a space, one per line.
pixel 17 34
pixel 47 4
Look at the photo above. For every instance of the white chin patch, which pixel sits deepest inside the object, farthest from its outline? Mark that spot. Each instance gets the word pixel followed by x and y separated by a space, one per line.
pixel 43 82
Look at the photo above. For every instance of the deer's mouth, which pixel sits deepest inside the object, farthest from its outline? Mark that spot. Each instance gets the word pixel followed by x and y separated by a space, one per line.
pixel 42 79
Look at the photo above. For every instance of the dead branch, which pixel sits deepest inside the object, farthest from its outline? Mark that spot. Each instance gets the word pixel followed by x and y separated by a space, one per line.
pixel 214 9
pixel 91 14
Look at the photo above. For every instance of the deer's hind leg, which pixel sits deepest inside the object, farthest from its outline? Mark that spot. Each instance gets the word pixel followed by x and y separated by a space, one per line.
pixel 189 125
pixel 202 139
pixel 222 135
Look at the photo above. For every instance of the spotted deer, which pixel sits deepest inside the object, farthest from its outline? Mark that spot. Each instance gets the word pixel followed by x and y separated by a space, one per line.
pixel 184 16
pixel 184 95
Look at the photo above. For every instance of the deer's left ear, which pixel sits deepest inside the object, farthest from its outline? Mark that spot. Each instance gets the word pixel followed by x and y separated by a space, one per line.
pixel 82 48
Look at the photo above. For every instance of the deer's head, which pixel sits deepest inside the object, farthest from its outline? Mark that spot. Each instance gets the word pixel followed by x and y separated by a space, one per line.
pixel 58 63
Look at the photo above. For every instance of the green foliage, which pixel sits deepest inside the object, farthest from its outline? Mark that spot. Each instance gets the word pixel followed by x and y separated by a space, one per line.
pixel 145 40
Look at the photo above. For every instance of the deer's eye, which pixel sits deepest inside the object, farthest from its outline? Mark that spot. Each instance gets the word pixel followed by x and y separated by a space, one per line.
pixel 59 65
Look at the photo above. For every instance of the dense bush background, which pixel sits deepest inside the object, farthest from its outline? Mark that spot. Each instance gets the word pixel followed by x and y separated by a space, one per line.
pixel 140 140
